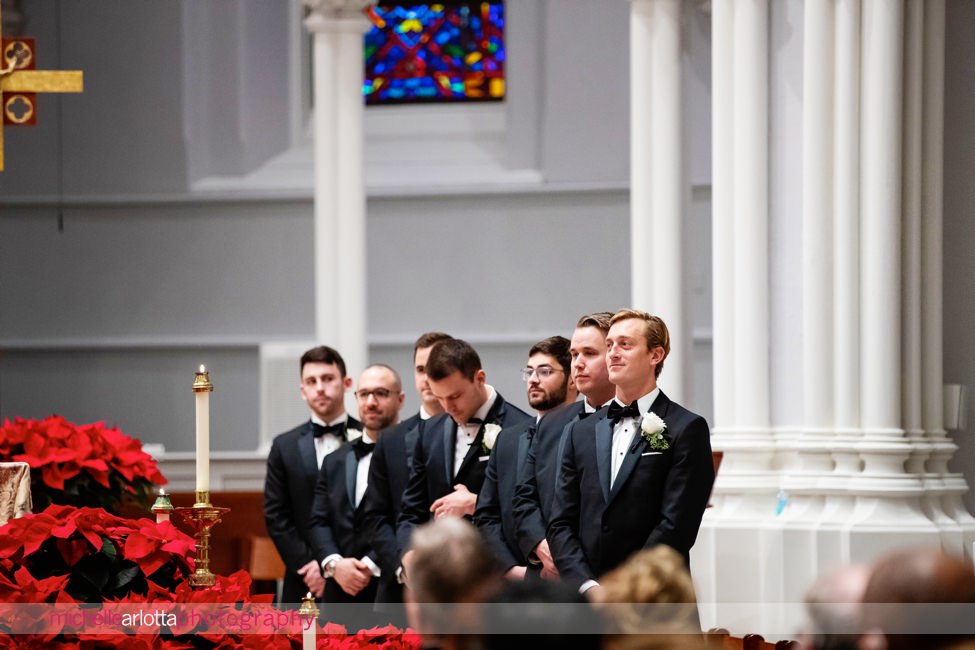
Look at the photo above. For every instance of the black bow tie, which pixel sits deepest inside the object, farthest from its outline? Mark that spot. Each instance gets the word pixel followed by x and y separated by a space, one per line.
pixel 617 412
pixel 360 447
pixel 335 429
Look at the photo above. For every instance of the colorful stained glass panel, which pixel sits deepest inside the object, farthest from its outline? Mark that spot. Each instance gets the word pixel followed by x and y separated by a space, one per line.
pixel 438 52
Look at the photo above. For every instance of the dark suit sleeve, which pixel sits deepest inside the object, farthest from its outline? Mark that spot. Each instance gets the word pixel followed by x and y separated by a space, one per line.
pixel 529 525
pixel 563 531
pixel 415 507
pixel 686 490
pixel 487 514
pixel 320 524
pixel 378 521
pixel 279 515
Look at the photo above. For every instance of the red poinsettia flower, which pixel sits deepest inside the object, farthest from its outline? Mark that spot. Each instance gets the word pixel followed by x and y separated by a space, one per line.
pixel 27 533
pixel 92 523
pixel 152 545
pixel 24 588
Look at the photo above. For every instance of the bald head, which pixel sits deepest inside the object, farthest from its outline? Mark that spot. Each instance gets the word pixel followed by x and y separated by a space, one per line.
pixel 380 398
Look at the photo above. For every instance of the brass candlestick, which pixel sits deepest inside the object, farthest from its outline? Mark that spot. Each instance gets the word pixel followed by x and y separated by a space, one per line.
pixel 201 518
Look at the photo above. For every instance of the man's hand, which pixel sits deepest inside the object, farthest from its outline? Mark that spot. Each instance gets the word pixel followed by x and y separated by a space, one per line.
pixel 405 563
pixel 595 594
pixel 549 570
pixel 311 573
pixel 352 575
pixel 458 503
pixel 516 573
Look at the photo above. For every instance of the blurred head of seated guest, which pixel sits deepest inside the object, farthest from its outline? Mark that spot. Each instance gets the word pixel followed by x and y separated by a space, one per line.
pixel 452 571
pixel 833 608
pixel 540 615
pixel 920 599
pixel 649 601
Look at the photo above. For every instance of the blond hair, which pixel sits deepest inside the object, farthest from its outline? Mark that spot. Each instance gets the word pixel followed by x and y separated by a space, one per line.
pixel 654 329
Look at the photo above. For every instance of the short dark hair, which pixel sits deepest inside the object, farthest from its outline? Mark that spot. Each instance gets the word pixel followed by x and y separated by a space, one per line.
pixel 450 356
pixel 598 319
pixel 324 354
pixel 556 347
pixel 428 339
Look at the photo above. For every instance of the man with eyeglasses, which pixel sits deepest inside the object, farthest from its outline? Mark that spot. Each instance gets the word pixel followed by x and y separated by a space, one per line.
pixel 348 561
pixel 550 385
pixel 535 492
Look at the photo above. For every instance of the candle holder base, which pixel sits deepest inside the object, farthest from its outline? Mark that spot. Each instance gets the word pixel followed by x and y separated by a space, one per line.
pixel 201 518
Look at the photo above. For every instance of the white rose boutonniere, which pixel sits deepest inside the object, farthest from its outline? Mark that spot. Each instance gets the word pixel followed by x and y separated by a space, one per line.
pixel 491 432
pixel 352 434
pixel 652 429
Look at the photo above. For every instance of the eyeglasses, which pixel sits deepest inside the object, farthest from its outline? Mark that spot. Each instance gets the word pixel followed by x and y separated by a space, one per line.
pixel 543 372
pixel 379 393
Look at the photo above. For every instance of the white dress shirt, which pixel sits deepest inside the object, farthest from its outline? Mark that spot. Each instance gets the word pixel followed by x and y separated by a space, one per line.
pixel 324 445
pixel 466 433
pixel 626 429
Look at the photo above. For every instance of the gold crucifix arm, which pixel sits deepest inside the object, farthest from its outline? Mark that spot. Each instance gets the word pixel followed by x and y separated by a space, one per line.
pixel 43 81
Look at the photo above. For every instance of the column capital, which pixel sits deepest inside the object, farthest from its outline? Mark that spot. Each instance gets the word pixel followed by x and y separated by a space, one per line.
pixel 333 15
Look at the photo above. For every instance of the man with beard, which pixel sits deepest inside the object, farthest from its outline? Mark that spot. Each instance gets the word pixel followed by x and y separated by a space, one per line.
pixel 550 385
pixel 293 464
pixel 347 560
pixel 536 484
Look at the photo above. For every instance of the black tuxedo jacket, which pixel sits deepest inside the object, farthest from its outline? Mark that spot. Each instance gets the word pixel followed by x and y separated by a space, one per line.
pixel 388 475
pixel 532 500
pixel 289 489
pixel 336 522
pixel 494 516
pixel 432 469
pixel 659 497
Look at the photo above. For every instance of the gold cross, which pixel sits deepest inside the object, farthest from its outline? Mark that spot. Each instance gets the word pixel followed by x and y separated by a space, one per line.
pixel 18 82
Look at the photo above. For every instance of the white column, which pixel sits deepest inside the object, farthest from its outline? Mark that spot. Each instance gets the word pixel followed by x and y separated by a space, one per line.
pixel 880 204
pixel 846 222
pixel 657 180
pixel 722 213
pixel 750 201
pixel 340 245
pixel 840 502
pixel 911 241
pixel 958 535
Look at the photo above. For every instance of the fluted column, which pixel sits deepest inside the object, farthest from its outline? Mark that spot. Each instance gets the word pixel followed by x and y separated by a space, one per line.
pixel 657 180
pixel 722 213
pixel 340 206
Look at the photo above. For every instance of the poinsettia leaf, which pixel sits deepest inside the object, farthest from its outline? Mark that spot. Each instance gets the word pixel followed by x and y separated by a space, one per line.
pixel 108 548
pixel 125 576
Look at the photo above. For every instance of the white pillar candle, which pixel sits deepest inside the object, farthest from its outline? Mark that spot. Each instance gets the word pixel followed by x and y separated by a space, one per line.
pixel 202 388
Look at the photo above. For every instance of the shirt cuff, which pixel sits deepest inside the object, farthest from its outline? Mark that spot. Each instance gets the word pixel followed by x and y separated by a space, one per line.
pixel 587 585
pixel 333 556
pixel 373 568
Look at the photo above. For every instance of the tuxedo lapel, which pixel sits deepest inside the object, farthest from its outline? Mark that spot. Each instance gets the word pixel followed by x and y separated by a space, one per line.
pixel 629 462
pixel 351 469
pixel 473 452
pixel 523 443
pixel 659 407
pixel 409 442
pixel 604 452
pixel 306 449
pixel 449 441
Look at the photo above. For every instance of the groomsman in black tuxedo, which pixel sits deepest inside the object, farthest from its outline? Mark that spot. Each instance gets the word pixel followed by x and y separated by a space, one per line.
pixel 550 385
pixel 638 474
pixel 450 454
pixel 388 474
pixel 348 563
pixel 293 464
pixel 532 501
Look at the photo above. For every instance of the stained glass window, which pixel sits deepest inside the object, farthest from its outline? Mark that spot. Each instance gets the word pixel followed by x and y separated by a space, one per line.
pixel 438 52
